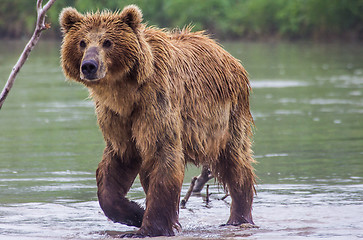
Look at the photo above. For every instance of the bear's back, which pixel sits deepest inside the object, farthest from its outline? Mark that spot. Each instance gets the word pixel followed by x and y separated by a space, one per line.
pixel 202 65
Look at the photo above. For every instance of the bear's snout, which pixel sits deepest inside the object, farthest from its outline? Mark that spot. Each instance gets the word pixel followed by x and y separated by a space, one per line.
pixel 92 67
pixel 89 69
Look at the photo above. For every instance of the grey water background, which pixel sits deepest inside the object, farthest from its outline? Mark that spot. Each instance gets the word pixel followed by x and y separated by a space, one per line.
pixel 307 103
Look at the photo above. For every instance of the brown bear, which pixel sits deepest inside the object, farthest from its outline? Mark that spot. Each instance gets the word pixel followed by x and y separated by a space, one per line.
pixel 163 99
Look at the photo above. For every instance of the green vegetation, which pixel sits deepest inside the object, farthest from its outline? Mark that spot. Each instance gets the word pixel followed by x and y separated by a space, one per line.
pixel 225 19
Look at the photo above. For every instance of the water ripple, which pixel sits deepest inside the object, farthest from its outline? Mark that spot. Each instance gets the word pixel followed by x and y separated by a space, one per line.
pixel 277 83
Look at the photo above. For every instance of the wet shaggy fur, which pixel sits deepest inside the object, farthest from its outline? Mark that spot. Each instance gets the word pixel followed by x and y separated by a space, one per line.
pixel 162 99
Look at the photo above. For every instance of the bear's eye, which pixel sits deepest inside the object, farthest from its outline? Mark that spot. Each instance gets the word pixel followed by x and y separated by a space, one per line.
pixel 82 44
pixel 107 43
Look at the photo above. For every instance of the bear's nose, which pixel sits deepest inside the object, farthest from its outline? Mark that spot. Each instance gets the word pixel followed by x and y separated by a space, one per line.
pixel 89 68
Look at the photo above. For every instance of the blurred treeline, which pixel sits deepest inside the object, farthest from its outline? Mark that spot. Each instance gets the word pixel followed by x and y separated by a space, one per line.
pixel 224 19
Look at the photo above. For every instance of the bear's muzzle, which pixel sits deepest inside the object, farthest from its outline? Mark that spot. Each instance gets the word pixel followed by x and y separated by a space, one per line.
pixel 91 66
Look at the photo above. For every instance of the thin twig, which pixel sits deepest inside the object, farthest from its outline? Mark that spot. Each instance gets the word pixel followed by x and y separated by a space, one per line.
pixel 39 27
pixel 225 196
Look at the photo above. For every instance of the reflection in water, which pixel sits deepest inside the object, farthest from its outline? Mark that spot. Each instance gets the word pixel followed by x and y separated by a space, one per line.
pixel 307 103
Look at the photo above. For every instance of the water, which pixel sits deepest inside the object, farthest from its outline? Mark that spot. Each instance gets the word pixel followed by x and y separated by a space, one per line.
pixel 308 107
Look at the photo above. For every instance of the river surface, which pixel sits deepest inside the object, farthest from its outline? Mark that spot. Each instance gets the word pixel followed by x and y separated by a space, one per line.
pixel 307 103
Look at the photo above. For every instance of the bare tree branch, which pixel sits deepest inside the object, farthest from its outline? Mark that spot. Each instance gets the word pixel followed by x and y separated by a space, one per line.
pixel 202 179
pixel 39 27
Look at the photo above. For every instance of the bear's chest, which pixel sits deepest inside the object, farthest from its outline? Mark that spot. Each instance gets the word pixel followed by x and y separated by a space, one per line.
pixel 116 129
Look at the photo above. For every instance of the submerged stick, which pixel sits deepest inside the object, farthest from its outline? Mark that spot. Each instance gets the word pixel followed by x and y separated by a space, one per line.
pixel 186 198
pixel 207 197
pixel 39 27
pixel 197 184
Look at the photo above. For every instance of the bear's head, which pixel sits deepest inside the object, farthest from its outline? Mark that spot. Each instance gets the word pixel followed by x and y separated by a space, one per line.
pixel 104 46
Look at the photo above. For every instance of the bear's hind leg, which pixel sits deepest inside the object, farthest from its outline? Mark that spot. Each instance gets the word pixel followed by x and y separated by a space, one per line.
pixel 114 179
pixel 235 171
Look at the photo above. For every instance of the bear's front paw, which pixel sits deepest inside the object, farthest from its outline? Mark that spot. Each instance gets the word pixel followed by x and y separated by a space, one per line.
pixel 155 231
pixel 243 225
pixel 237 221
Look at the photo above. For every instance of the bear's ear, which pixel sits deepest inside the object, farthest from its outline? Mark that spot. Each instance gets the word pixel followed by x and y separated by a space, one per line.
pixel 132 16
pixel 68 17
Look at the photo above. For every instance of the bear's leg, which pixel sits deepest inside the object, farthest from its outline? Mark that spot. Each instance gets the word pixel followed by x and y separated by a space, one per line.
pixel 162 179
pixel 114 179
pixel 234 170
